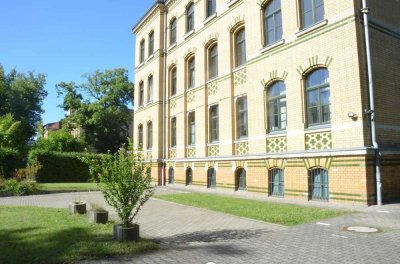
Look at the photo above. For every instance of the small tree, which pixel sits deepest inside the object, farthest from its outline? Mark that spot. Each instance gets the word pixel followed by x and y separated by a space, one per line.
pixel 124 179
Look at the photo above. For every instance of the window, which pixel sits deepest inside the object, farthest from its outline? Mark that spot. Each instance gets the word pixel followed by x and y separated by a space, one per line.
pixel 272 22
pixel 213 62
pixel 151 43
pixel 318 184
pixel 141 53
pixel 276 182
pixel 240 179
pixel 241 115
pixel 173 81
pixel 189 176
pixel 191 128
pixel 191 73
pixel 173 132
pixel 312 12
pixel 150 89
pixel 211 7
pixel 150 135
pixel 211 178
pixel 214 123
pixel 140 134
pixel 240 48
pixel 277 106
pixel 172 32
pixel 171 175
pixel 190 18
pixel 318 97
pixel 141 93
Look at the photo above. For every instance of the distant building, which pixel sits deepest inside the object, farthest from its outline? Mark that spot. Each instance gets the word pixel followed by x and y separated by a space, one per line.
pixel 269 96
pixel 51 127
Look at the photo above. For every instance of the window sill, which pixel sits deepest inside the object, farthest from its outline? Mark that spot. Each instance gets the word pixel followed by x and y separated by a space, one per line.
pixel 241 140
pixel 216 143
pixel 209 18
pixel 151 56
pixel 319 128
pixel 140 65
pixel 312 28
pixel 191 146
pixel 190 88
pixel 232 2
pixel 243 66
pixel 173 45
pixel 212 79
pixel 272 45
pixel 191 32
pixel 276 133
pixel 173 96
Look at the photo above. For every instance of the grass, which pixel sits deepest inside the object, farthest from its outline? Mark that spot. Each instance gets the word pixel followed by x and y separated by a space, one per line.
pixel 69 186
pixel 277 213
pixel 47 235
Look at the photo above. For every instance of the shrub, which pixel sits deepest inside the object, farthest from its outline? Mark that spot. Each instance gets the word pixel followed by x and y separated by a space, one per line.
pixel 9 161
pixel 61 166
pixel 29 173
pixel 14 187
pixel 60 140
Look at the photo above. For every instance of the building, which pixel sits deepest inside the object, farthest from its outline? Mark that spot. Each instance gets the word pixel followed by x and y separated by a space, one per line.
pixel 270 96
pixel 55 126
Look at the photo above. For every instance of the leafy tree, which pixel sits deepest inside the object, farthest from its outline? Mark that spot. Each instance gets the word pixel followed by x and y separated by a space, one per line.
pixel 22 95
pixel 9 153
pixel 100 107
pixel 60 140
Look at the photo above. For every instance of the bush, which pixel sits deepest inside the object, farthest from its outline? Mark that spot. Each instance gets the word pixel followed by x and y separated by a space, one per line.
pixel 60 140
pixel 14 187
pixel 9 161
pixel 61 166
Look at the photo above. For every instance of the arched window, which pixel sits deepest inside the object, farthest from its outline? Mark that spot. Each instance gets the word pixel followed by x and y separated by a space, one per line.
pixel 211 178
pixel 173 81
pixel 240 179
pixel 318 184
pixel 214 123
pixel 173 132
pixel 140 137
pixel 312 12
pixel 241 118
pixel 141 93
pixel 151 43
pixel 240 48
pixel 190 17
pixel 191 72
pixel 318 97
pixel 150 89
pixel 191 128
pixel 172 32
pixel 272 22
pixel 210 7
pixel 276 182
pixel 213 62
pixel 150 135
pixel 141 53
pixel 189 176
pixel 277 106
pixel 171 175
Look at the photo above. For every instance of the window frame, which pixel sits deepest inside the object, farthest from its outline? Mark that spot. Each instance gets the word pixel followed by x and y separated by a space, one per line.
pixel 141 94
pixel 151 43
pixel 211 8
pixel 142 50
pixel 173 132
pixel 172 31
pixel 150 83
pixel 191 72
pixel 275 18
pixel 212 61
pixel 237 44
pixel 190 17
pixel 213 119
pixel 191 137
pixel 150 135
pixel 173 81
pixel 275 99
pixel 272 173
pixel 319 106
pixel 140 136
pixel 313 11
pixel 239 111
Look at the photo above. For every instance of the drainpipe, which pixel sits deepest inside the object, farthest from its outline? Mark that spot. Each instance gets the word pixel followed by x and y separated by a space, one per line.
pixel 371 111
pixel 164 98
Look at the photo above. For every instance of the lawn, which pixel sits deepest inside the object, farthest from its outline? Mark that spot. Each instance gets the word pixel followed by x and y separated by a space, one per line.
pixel 278 213
pixel 47 235
pixel 65 187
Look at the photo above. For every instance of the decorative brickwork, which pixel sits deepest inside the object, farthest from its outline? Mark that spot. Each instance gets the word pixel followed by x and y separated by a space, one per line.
pixel 239 77
pixel 319 141
pixel 212 87
pixel 277 144
pixel 148 155
pixel 190 96
pixel 213 150
pixel 172 103
pixel 172 153
pixel 191 152
pixel 242 148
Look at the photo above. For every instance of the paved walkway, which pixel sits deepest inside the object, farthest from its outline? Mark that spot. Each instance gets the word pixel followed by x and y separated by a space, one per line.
pixel 193 235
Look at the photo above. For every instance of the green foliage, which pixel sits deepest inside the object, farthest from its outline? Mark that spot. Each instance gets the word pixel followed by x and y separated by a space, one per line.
pixel 124 180
pixel 29 173
pixel 60 140
pixel 9 161
pixel 18 188
pixel 22 95
pixel 103 115
pixel 61 166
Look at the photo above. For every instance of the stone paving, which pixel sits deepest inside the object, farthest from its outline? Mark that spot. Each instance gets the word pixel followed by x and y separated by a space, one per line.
pixel 192 235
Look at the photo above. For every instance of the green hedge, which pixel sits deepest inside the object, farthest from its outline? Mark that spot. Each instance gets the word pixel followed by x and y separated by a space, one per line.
pixel 61 166
pixel 9 161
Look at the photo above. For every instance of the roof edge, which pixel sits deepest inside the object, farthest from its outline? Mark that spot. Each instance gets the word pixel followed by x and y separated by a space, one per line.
pixel 148 12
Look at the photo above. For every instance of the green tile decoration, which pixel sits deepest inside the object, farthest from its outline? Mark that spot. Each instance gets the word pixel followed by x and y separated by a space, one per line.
pixel 172 153
pixel 317 141
pixel 213 151
pixel 212 87
pixel 191 152
pixel 190 96
pixel 239 77
pixel 242 148
pixel 172 103
pixel 277 144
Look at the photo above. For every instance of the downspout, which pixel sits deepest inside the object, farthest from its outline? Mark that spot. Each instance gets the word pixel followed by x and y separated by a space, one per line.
pixel 164 98
pixel 371 111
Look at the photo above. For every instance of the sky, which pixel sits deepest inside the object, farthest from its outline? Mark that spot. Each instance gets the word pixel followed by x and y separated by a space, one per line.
pixel 65 39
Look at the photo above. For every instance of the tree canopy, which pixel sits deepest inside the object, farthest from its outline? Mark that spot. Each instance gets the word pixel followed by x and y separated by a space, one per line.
pixel 99 107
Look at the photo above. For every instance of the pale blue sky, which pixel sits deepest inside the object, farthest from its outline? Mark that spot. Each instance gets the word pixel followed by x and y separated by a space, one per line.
pixel 67 38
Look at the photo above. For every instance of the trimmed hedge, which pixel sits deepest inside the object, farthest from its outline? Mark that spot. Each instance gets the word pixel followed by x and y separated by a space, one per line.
pixel 61 166
pixel 9 161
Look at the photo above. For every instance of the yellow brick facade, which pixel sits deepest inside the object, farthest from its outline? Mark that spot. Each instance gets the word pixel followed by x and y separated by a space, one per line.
pixel 341 147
